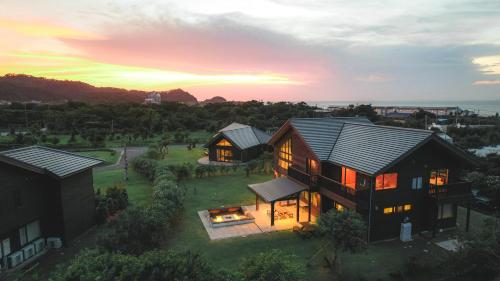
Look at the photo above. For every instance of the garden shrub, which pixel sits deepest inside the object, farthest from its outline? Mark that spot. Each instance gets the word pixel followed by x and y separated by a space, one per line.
pixel 273 265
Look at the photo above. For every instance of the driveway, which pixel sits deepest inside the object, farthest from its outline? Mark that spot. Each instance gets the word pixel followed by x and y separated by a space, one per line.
pixel 132 152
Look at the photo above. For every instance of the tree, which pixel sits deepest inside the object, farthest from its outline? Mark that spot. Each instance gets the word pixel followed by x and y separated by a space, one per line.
pixel 273 265
pixel 345 231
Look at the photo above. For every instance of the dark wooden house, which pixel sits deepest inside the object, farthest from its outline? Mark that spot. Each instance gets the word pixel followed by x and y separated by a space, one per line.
pixel 43 193
pixel 237 143
pixel 389 175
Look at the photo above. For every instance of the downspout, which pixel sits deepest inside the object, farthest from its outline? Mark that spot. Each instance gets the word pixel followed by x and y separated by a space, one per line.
pixel 370 211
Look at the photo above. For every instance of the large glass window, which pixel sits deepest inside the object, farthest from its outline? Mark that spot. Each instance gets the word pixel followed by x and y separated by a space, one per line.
pixel 285 154
pixel 224 155
pixel 386 181
pixel 445 211
pixel 439 177
pixel 224 142
pixel 348 177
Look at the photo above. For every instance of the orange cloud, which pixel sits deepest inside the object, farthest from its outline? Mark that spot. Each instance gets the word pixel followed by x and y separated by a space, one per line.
pixel 44 29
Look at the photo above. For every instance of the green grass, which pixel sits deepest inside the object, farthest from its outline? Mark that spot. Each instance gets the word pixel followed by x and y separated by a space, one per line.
pixel 108 156
pixel 139 189
pixel 179 154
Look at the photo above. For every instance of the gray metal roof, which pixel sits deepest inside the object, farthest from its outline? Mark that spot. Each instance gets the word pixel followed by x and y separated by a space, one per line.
pixel 56 162
pixel 322 133
pixel 244 136
pixel 370 148
pixel 276 189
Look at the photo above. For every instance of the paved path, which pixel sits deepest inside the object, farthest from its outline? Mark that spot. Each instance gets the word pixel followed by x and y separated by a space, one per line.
pixel 132 152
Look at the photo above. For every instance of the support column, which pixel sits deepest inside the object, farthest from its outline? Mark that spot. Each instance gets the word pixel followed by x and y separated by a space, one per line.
pixel 309 207
pixel 298 205
pixel 467 222
pixel 272 213
pixel 256 202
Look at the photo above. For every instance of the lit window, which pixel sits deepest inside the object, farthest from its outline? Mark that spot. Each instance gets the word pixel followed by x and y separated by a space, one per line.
pixel 349 177
pixel 386 181
pixel 224 155
pixel 339 207
pixel 224 142
pixel 388 210
pixel 416 183
pixel 439 177
pixel 399 209
pixel 407 207
pixel 285 154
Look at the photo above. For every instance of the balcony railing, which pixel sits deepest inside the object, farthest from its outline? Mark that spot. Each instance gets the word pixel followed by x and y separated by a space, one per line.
pixel 360 197
pixel 449 191
pixel 299 175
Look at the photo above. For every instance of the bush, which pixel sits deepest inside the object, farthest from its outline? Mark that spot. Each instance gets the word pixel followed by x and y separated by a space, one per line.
pixel 270 266
pixel 116 199
pixel 157 265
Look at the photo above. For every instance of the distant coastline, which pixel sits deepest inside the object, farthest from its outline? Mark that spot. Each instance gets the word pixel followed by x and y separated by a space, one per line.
pixel 483 107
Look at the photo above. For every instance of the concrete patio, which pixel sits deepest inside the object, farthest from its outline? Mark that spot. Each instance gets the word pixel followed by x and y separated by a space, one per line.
pixel 262 222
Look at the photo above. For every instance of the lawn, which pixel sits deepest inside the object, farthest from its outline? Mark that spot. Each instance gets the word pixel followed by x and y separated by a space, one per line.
pixel 179 154
pixel 108 156
pixel 139 189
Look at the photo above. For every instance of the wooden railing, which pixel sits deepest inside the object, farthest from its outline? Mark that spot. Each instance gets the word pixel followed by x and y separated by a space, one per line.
pixel 452 190
pixel 299 175
pixel 359 197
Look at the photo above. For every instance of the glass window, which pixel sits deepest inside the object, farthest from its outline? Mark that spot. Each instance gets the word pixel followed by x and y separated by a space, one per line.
pixel 285 154
pixel 33 230
pixel 339 207
pixel 224 142
pixel 445 211
pixel 22 235
pixel 5 247
pixel 349 177
pixel 416 183
pixel 386 181
pixel 407 207
pixel 388 210
pixel 439 177
pixel 224 155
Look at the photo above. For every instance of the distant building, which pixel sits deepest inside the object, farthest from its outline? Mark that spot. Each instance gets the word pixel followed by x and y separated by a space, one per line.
pixel 153 98
pixel 406 111
pixel 46 197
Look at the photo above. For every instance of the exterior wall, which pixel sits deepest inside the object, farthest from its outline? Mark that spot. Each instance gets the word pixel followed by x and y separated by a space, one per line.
pixel 423 214
pixel 300 151
pixel 424 210
pixel 36 193
pixel 77 197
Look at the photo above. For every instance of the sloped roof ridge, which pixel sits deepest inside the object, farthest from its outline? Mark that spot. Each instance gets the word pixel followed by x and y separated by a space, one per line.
pixel 391 127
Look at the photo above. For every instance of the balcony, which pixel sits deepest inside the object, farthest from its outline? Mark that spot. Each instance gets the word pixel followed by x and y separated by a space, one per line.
pixel 451 192
pixel 360 197
pixel 299 175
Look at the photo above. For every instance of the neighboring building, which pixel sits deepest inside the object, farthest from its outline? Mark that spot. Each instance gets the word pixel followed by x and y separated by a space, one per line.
pixel 237 143
pixel 44 193
pixel 153 98
pixel 407 111
pixel 389 175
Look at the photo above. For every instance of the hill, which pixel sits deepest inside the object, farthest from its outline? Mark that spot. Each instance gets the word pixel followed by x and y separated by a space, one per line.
pixel 20 87
pixel 216 99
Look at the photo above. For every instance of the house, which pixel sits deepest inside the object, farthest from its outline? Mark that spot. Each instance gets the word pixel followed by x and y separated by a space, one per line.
pixel 237 143
pixel 389 175
pixel 45 193
pixel 153 98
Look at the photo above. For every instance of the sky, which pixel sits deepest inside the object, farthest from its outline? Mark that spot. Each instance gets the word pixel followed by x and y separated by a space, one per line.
pixel 271 50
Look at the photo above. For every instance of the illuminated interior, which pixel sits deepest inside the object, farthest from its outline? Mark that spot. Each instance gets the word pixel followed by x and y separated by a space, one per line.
pixel 349 177
pixel 388 210
pixel 224 155
pixel 407 207
pixel 397 209
pixel 339 207
pixel 386 181
pixel 285 154
pixel 439 177
pixel 224 142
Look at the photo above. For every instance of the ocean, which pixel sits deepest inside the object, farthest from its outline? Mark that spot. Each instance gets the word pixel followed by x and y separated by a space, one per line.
pixel 483 108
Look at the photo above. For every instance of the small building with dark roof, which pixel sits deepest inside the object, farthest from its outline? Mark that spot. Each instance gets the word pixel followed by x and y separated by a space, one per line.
pixel 237 143
pixel 389 175
pixel 44 193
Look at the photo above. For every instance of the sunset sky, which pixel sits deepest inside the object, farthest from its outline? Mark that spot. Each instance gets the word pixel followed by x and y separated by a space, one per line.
pixel 320 50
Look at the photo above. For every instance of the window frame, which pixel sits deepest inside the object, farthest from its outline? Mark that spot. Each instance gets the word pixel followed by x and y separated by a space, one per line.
pixel 417 183
pixel 285 156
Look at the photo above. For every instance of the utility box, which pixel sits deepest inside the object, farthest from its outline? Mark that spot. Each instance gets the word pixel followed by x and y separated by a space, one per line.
pixel 405 234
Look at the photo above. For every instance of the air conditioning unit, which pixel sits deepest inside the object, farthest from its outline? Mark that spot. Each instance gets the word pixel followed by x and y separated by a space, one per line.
pixel 15 259
pixel 39 245
pixel 54 242
pixel 28 251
